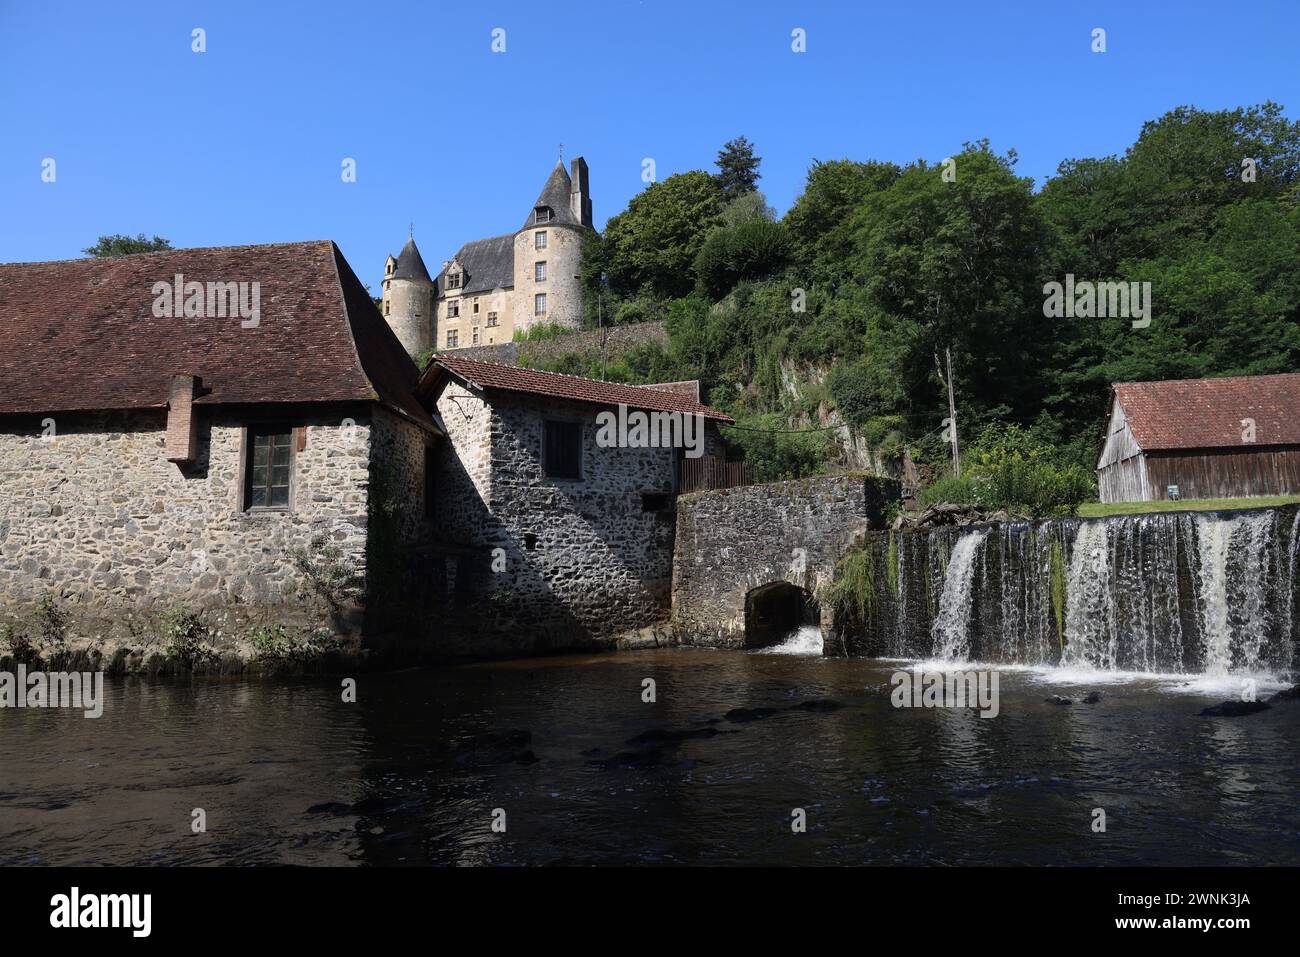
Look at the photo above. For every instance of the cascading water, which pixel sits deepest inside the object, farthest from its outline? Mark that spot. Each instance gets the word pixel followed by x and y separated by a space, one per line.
pixel 807 640
pixel 1189 593
pixel 952 626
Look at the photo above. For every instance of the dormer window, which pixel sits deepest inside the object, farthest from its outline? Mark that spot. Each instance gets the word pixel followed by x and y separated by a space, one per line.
pixel 542 214
pixel 453 280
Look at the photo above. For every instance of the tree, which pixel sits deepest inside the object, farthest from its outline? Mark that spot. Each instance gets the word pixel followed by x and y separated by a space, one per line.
pixel 754 250
pixel 122 245
pixel 737 169
pixel 651 245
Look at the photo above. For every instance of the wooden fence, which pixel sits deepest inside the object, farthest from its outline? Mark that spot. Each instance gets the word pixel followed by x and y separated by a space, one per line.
pixel 710 472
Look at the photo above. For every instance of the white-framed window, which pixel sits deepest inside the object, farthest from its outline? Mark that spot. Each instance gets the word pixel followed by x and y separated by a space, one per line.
pixel 474 336
pixel 453 338
pixel 539 304
pixel 542 214
pixel 539 239
pixel 492 319
pixel 453 309
pixel 539 271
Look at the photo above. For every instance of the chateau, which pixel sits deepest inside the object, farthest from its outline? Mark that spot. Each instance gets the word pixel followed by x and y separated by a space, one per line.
pixel 496 286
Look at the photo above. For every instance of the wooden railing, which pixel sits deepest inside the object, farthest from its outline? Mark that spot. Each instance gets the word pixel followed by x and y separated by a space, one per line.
pixel 710 472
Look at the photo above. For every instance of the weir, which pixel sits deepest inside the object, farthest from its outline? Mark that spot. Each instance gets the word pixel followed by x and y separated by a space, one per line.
pixel 1176 592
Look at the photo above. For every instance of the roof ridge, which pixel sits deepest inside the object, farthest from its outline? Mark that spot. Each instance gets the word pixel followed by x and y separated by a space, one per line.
pixel 167 252
pixel 1221 378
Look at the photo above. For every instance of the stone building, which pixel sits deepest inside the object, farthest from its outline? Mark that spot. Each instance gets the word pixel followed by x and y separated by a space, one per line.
pixel 495 286
pixel 177 428
pixel 569 536
pixel 236 432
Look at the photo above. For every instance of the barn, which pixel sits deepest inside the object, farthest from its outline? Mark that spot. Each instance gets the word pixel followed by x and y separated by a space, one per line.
pixel 1202 438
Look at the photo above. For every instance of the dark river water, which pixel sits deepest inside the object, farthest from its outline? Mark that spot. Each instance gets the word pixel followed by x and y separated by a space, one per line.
pixel 587 773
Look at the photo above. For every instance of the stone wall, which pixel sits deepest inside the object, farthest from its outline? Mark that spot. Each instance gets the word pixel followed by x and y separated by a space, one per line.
pixel 96 517
pixel 581 563
pixel 587 345
pixel 731 542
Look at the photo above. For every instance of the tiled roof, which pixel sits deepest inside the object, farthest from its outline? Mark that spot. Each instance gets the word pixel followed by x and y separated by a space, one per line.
pixel 489 375
pixel 488 263
pixel 81 335
pixel 1208 413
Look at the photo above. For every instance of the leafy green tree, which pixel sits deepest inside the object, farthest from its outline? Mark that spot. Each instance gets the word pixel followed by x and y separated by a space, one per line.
pixel 652 244
pixel 737 168
pixel 754 250
pixel 122 245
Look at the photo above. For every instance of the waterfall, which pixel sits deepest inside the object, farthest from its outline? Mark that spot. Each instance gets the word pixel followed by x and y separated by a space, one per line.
pixel 952 626
pixel 1210 593
pixel 807 640
pixel 1090 606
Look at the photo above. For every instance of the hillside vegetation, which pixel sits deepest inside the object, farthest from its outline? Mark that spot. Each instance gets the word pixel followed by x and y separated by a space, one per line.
pixel 840 311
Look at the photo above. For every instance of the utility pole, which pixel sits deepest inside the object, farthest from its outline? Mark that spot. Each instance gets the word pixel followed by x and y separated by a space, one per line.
pixel 951 421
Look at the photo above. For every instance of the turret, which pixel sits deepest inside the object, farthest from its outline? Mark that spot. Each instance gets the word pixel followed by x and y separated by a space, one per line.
pixel 548 251
pixel 408 299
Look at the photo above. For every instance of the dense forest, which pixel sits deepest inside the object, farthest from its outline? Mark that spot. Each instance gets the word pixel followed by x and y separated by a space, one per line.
pixel 841 310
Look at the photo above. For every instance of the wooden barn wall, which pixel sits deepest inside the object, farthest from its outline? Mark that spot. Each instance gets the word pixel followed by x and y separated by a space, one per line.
pixel 1124 481
pixel 1225 473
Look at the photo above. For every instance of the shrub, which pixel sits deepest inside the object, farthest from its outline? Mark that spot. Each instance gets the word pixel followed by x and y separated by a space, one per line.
pixel 15 644
pixel 275 643
pixel 851 593
pixel 50 624
pixel 185 636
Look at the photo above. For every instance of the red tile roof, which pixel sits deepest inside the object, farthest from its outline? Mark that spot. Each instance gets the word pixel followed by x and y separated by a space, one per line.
pixel 82 335
pixel 490 375
pixel 1207 413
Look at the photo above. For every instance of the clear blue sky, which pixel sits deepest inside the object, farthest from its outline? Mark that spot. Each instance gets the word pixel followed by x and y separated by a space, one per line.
pixel 243 143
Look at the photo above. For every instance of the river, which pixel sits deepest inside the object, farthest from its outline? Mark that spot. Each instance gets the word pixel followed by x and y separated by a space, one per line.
pixel 711 772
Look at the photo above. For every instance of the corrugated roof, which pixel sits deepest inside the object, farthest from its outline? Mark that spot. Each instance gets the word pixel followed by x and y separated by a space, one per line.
pixel 489 375
pixel 488 263
pixel 81 335
pixel 1208 413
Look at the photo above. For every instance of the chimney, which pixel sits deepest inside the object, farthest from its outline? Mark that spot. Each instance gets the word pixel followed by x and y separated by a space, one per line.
pixel 182 424
pixel 580 192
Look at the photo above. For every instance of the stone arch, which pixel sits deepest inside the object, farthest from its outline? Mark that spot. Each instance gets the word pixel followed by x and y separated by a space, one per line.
pixel 774 610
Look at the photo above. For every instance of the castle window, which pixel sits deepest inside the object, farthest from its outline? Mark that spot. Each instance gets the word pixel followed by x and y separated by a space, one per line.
pixel 542 214
pixel 475 309
pixel 492 319
pixel 539 271
pixel 385 307
pixel 453 338
pixel 562 449
pixel 453 310
pixel 268 462
pixel 474 340
pixel 539 239
pixel 539 304
pixel 453 280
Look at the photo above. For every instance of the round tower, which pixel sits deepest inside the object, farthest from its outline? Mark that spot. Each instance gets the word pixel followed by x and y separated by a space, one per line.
pixel 408 299
pixel 548 251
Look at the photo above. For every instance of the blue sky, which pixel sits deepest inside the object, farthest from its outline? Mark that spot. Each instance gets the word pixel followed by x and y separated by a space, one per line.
pixel 244 143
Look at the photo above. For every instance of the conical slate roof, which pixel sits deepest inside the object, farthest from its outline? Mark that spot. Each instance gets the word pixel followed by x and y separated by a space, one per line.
pixel 410 265
pixel 555 194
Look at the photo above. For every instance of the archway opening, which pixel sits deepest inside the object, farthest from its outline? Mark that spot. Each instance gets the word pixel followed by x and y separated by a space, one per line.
pixel 773 612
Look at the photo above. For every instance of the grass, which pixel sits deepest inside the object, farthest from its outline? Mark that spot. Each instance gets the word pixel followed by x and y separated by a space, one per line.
pixel 1100 510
